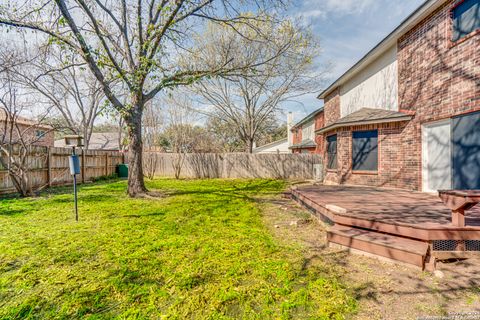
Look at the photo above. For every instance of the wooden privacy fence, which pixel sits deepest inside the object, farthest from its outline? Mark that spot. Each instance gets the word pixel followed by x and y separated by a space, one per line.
pixel 233 165
pixel 49 166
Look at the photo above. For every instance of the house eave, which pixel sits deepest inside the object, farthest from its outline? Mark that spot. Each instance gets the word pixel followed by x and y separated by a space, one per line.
pixel 309 117
pixel 419 14
pixel 361 123
pixel 301 147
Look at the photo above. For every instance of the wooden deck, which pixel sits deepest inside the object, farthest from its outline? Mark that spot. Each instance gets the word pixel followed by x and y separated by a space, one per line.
pixel 363 216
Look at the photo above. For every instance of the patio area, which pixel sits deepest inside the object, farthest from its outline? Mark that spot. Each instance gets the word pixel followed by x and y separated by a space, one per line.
pixel 407 226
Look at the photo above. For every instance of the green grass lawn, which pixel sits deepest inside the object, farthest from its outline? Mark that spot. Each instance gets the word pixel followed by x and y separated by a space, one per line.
pixel 201 252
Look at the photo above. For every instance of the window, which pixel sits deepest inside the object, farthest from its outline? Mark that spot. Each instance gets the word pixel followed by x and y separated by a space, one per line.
pixel 365 150
pixel 332 152
pixel 39 134
pixel 465 19
pixel 308 132
pixel 466 151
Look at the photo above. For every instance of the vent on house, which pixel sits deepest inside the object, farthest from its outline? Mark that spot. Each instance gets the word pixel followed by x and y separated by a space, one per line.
pixel 472 245
pixel 456 245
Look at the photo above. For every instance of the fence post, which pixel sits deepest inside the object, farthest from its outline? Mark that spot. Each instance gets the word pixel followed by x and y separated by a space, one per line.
pixel 106 163
pixel 83 165
pixel 49 166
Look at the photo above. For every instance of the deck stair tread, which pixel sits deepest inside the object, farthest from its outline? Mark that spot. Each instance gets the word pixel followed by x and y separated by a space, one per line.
pixel 385 240
pixel 389 246
pixel 397 224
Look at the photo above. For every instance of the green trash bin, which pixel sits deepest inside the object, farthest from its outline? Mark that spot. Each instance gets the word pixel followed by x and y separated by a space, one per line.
pixel 122 170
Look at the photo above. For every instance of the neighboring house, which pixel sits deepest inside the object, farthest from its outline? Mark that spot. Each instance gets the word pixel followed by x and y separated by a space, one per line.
pixel 303 138
pixel 279 146
pixel 407 115
pixel 32 132
pixel 98 141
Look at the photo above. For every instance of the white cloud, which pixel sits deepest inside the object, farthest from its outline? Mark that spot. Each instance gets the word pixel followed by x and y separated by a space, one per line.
pixel 339 7
pixel 313 14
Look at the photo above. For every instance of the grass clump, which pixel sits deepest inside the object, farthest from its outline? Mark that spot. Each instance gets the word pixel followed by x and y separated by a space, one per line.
pixel 201 252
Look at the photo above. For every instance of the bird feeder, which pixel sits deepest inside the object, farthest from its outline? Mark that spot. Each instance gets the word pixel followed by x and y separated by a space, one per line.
pixel 73 141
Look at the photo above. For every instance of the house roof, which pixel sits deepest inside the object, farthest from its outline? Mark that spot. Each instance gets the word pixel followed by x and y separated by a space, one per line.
pixel 419 14
pixel 24 121
pixel 271 144
pixel 307 118
pixel 367 116
pixel 98 141
pixel 307 143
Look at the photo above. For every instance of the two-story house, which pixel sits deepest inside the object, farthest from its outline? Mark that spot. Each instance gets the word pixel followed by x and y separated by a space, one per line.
pixel 303 138
pixel 407 115
pixel 16 129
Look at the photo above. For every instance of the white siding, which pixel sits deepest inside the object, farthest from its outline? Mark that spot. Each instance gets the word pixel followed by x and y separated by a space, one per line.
pixel 278 147
pixel 376 86
pixel 308 131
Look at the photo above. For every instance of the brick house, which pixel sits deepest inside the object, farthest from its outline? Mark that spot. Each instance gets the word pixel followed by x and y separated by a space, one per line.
pixel 407 115
pixel 303 138
pixel 33 132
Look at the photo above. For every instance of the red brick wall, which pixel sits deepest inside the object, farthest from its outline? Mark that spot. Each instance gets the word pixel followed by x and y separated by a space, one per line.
pixel 319 120
pixel 331 107
pixel 48 140
pixel 29 134
pixel 437 80
pixel 297 135
pixel 390 160
pixel 319 140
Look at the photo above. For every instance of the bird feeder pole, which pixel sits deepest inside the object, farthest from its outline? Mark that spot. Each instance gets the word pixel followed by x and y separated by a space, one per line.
pixel 74 162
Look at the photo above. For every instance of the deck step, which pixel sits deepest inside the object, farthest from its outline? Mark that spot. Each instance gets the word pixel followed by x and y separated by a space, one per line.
pixel 385 245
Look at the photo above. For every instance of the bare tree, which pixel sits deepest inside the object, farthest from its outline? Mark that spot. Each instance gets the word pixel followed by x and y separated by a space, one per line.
pixel 148 45
pixel 180 133
pixel 153 123
pixel 248 101
pixel 152 127
pixel 73 92
pixel 18 135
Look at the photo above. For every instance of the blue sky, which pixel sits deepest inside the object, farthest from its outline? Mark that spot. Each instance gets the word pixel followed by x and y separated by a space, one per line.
pixel 347 29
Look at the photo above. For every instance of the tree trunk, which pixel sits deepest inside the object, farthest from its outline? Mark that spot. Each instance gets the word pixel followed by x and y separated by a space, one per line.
pixel 136 184
pixel 250 143
pixel 22 183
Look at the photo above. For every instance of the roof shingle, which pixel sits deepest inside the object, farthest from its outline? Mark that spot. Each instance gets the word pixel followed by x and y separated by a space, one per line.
pixel 367 116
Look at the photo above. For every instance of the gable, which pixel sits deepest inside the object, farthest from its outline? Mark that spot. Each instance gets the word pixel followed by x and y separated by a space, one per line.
pixel 375 86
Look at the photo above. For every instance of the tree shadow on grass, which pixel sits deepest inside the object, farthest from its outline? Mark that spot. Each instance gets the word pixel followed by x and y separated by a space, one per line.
pixel 244 191
pixel 104 186
pixel 6 211
pixel 85 198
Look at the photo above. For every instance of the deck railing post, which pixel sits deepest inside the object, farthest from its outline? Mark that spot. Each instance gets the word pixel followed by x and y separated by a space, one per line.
pixel 458 218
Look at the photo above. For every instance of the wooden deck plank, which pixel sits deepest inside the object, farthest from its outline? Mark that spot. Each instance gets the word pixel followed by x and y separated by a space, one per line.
pixel 409 214
pixel 397 207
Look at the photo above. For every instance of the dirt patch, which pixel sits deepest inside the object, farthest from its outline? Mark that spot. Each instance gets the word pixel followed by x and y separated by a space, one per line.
pixel 383 289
